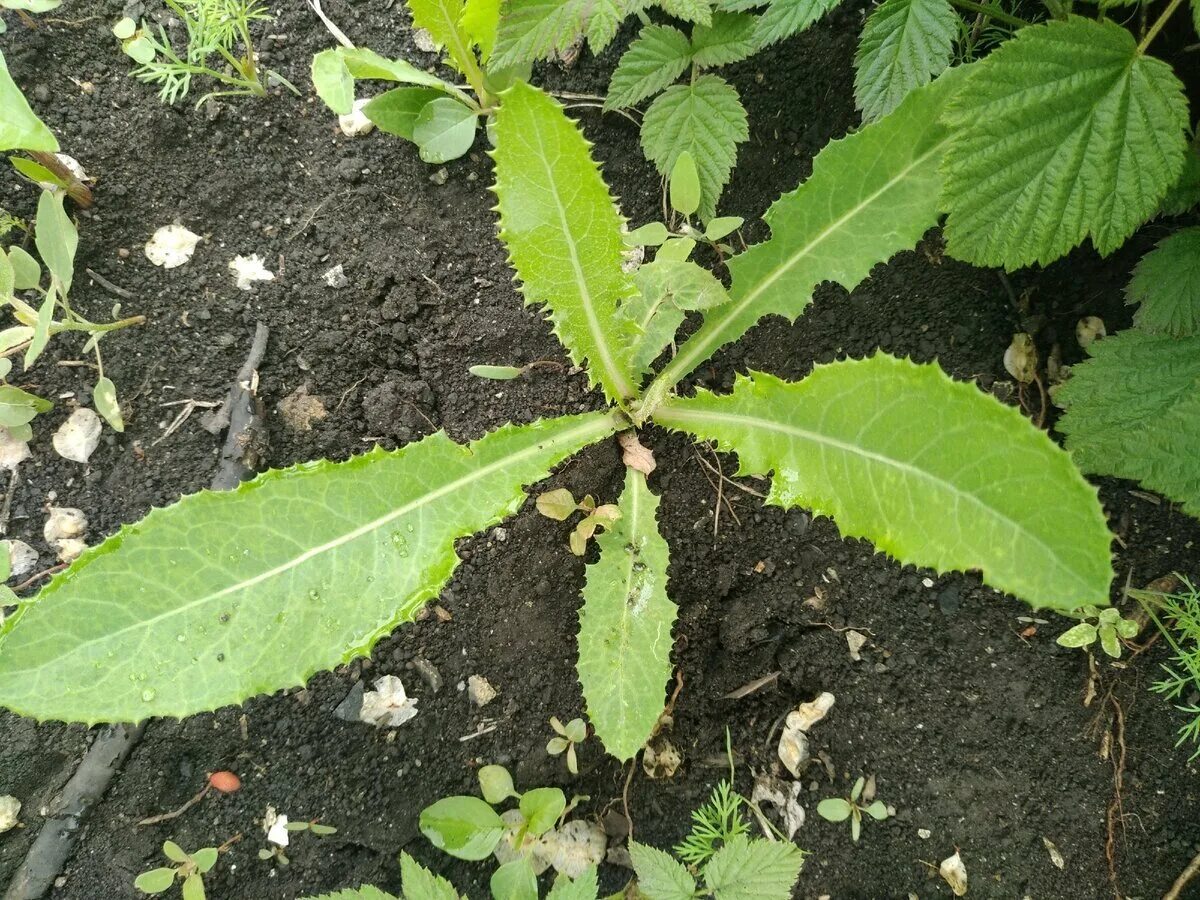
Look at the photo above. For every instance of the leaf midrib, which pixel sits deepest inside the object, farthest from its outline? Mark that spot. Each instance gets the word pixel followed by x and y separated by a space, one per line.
pixel 599 425
pixel 678 416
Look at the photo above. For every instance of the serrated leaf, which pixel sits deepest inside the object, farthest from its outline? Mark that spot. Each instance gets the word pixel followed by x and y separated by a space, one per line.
pixel 585 887
pixel 1185 193
pixel 625 625
pixel 606 17
pixel 421 884
pixel 754 870
pixel 56 238
pixel 441 19
pixel 480 20
pixel 367 892
pixel 224 596
pixel 704 118
pixel 396 111
pixel 537 29
pixel 658 56
pixel 728 39
pixel 1133 411
pixel 870 195
pixel 1167 285
pixel 443 130
pixel 932 471
pixel 20 128
pixel 904 44
pixel 563 234
pixel 698 11
pixel 1064 132
pixel 784 18
pixel 660 877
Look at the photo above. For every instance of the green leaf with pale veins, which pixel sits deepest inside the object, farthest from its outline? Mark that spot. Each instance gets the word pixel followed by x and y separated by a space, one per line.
pixel 226 595
pixel 754 870
pixel 563 234
pixel 1064 132
pixel 870 196
pixel 658 56
pixel 705 118
pixel 904 44
pixel 20 128
pixel 932 471
pixel 441 18
pixel 421 884
pixel 1167 285
pixel 698 11
pixel 625 625
pixel 729 39
pixel 659 875
pixel 367 892
pixel 1133 411
pixel 784 18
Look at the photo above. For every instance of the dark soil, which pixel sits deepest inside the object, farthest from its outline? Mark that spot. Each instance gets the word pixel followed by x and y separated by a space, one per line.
pixel 975 733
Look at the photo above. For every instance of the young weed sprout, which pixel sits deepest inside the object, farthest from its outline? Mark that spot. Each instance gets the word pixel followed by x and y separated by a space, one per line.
pixel 566 738
pixel 860 803
pixel 218 46
pixel 188 868
pixel 1104 625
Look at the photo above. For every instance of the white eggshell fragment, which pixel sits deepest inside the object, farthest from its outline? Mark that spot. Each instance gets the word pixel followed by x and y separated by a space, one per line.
pixel 21 559
pixel 65 522
pixel 249 269
pixel 954 872
pixel 69 549
pixel 12 451
pixel 576 846
pixel 78 437
pixel 355 123
pixel 388 705
pixel 10 808
pixel 171 246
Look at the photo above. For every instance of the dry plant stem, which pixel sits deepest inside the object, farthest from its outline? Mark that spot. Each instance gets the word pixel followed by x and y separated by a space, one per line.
pixel 1184 879
pixel 1116 811
pixel 625 800
pixel 176 813
pixel 108 285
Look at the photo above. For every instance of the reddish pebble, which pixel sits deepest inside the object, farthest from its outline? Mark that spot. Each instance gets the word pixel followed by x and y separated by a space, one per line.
pixel 225 782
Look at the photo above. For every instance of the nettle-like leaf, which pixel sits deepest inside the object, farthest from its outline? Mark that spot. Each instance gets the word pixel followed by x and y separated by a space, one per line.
pixel 904 44
pixel 441 18
pixel 660 876
pixel 20 128
pixel 729 39
pixel 658 56
pixel 563 234
pixel 705 118
pixel 932 471
pixel 1185 193
pixel 421 884
pixel 537 29
pixel 754 870
pixel 870 196
pixel 1133 411
pixel 698 11
pixel 1167 285
pixel 585 887
pixel 625 625
pixel 218 603
pixel 1065 132
pixel 784 18
pixel 367 892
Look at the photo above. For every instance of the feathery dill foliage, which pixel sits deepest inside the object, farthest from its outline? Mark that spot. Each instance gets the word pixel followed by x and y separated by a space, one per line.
pixel 218 46
pixel 714 825
pixel 1178 618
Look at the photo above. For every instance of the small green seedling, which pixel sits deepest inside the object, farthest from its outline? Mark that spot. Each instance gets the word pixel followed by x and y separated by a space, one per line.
pixel 469 828
pixel 560 505
pixel 566 737
pixel 219 47
pixel 188 868
pixel 860 802
pixel 277 852
pixel 1108 629
pixel 1177 617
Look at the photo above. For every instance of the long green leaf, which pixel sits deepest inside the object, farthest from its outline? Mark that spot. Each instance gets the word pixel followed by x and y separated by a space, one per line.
pixel 870 196
pixel 1133 411
pixel 625 625
pixel 563 234
pixel 226 595
pixel 930 470
pixel 56 238
pixel 1068 131
pixel 20 128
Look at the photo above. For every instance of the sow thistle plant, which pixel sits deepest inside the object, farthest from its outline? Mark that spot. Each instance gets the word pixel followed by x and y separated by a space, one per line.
pixel 21 276
pixel 209 601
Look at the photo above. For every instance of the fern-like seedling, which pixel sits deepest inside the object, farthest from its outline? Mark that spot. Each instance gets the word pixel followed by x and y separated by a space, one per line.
pixel 1177 617
pixel 714 825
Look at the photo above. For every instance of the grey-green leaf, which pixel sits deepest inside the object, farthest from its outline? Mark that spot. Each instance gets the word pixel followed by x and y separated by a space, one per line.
pixel 396 111
pixel 20 128
pixel 1081 635
pixel 514 881
pixel 225 596
pixel 464 827
pixel 104 396
pixel 333 81
pixel 625 625
pixel 444 130
pixel 56 238
pixel 26 271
